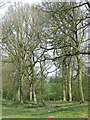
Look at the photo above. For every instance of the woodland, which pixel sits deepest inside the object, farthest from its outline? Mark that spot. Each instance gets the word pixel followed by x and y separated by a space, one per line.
pixel 45 60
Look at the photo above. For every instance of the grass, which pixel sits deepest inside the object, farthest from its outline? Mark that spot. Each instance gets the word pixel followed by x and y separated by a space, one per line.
pixel 53 109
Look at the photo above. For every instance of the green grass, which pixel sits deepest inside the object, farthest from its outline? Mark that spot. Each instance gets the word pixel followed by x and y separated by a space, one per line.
pixel 53 109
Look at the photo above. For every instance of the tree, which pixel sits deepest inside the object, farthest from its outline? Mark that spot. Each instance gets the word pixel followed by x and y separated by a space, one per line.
pixel 71 22
pixel 14 41
pixel 22 43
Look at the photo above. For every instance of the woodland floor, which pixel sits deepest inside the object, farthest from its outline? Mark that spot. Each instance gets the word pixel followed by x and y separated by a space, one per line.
pixel 53 109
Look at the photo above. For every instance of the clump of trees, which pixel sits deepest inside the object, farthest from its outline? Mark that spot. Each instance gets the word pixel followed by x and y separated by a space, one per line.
pixel 37 37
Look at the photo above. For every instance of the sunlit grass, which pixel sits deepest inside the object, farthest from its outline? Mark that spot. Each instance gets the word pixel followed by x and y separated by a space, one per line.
pixel 53 109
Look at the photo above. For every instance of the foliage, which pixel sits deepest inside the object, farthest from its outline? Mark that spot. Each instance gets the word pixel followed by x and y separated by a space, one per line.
pixel 9 81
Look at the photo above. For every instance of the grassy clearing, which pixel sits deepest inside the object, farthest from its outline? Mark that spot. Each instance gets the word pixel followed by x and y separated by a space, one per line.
pixel 53 109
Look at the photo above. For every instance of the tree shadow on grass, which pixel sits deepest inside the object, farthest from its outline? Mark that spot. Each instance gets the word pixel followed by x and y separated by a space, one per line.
pixel 31 106
pixel 69 108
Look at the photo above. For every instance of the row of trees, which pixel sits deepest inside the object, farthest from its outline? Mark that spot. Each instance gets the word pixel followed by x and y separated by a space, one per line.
pixel 38 36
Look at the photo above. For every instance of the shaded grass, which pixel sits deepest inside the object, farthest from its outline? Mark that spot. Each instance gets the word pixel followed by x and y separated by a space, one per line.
pixel 29 106
pixel 53 109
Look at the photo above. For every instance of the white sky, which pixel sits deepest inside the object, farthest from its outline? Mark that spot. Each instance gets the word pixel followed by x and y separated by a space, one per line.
pixel 27 1
pixel 3 9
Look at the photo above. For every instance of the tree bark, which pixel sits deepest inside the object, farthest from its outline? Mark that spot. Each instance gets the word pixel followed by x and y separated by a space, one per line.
pixel 80 79
pixel 66 80
pixel 21 95
pixel 34 97
pixel 33 80
pixel 64 83
pixel 69 81
pixel 21 91
pixel 18 94
pixel 31 92
pixel 42 82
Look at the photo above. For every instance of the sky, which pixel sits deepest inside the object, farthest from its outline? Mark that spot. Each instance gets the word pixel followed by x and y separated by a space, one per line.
pixel 4 9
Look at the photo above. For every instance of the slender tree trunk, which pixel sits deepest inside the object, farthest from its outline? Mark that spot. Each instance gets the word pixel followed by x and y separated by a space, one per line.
pixel 21 95
pixel 21 92
pixel 80 79
pixel 69 81
pixel 30 86
pixel 64 84
pixel 72 73
pixel 42 83
pixel 33 77
pixel 31 92
pixel 42 89
pixel 66 81
pixel 34 96
pixel 18 94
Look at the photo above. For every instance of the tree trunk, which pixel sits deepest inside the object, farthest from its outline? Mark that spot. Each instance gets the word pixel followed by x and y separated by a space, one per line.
pixel 34 97
pixel 80 79
pixel 42 83
pixel 64 83
pixel 21 95
pixel 21 92
pixel 69 82
pixel 18 94
pixel 31 92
